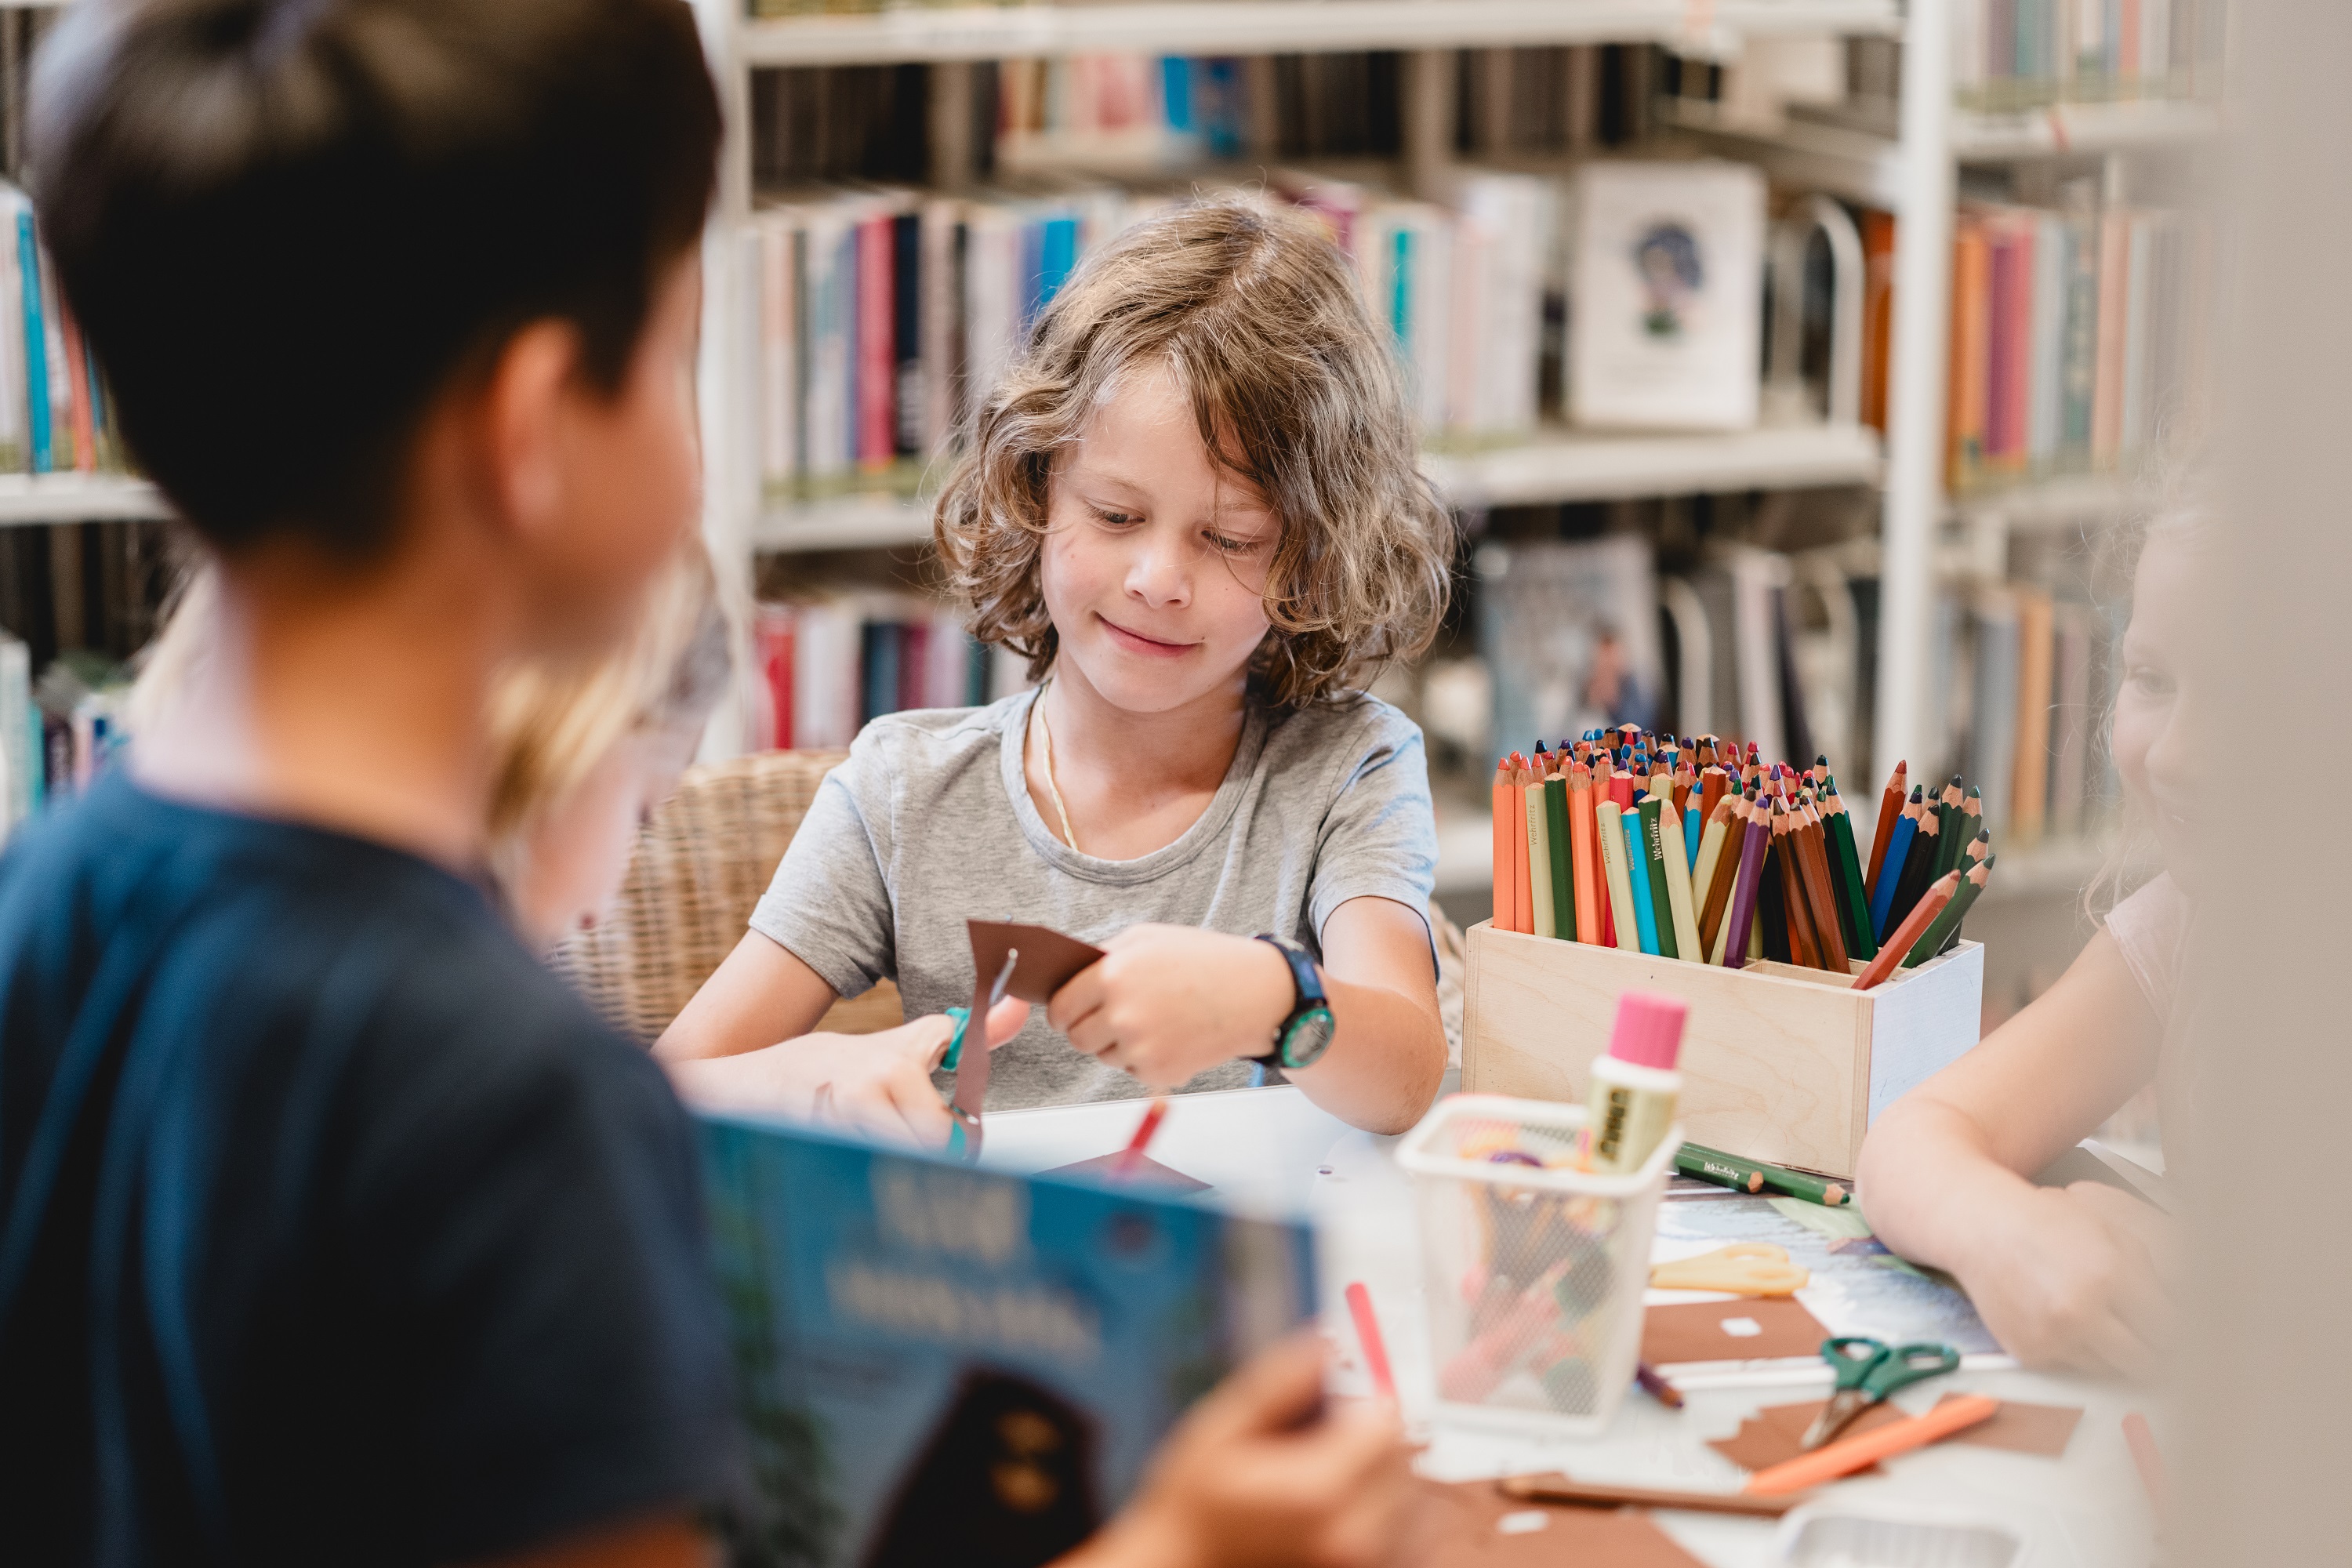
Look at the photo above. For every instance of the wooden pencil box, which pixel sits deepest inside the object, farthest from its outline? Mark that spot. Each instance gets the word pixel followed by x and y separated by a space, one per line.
pixel 1778 1063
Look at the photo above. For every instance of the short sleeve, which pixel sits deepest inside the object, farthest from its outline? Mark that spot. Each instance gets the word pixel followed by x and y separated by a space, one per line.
pixel 829 903
pixel 528 1296
pixel 1379 836
pixel 2149 929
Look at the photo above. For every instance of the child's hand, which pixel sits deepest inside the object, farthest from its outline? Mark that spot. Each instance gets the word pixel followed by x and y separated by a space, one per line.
pixel 1251 1477
pixel 879 1084
pixel 1165 1002
pixel 2076 1277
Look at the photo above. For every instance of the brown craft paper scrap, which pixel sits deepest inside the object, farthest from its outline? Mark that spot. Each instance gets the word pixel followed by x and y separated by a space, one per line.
pixel 1146 1173
pixel 2044 1429
pixel 1470 1524
pixel 1696 1331
pixel 1777 1432
pixel 1048 960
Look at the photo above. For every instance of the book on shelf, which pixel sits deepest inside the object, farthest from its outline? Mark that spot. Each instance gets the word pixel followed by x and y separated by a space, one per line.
pixel 1666 299
pixel 2079 338
pixel 936 1363
pixel 55 413
pixel 832 662
pixel 2015 55
pixel 1569 633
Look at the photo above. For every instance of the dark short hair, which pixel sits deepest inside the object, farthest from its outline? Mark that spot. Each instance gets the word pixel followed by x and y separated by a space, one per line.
pixel 288 225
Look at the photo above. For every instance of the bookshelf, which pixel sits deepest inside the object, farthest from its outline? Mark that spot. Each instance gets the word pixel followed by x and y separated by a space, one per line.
pixel 30 499
pixel 1905 154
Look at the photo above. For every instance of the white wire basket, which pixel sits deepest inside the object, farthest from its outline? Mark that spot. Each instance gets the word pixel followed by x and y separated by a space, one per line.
pixel 1533 1270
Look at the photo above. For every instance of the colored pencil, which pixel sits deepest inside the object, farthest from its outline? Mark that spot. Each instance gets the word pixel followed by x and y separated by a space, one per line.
pixel 1686 810
pixel 1556 841
pixel 1980 848
pixel 1678 884
pixel 1539 860
pixel 1884 876
pixel 1132 1155
pixel 1585 854
pixel 1862 941
pixel 1945 928
pixel 1813 871
pixel 1918 866
pixel 1710 878
pixel 1657 1387
pixel 1890 807
pixel 1506 914
pixel 1891 954
pixel 1609 822
pixel 1948 843
pixel 2146 1458
pixel 1637 869
pixel 1523 894
pixel 1657 850
pixel 1805 945
pixel 1865 1449
pixel 1755 1175
pixel 1368 1334
pixel 1743 895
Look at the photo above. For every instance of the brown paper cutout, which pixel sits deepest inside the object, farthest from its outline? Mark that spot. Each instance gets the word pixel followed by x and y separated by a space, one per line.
pixel 1147 1172
pixel 1048 960
pixel 2044 1429
pixel 1453 1525
pixel 1694 1331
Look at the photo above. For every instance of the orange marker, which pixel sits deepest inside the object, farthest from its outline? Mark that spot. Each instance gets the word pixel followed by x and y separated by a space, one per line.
pixel 1848 1455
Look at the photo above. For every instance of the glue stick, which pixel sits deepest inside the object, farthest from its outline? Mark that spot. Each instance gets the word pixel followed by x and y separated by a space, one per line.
pixel 1634 1084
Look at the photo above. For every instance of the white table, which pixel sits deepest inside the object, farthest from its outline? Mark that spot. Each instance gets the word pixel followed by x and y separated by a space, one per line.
pixel 1271 1151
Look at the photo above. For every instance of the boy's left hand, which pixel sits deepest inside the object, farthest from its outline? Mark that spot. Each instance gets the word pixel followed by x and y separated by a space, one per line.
pixel 1165 1002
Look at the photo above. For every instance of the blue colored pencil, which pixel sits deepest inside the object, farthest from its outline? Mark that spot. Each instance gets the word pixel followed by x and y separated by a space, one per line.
pixel 1691 825
pixel 1898 847
pixel 1636 858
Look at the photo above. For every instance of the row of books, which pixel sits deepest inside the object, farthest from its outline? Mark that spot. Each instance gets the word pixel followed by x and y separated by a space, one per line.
pixel 835 662
pixel 879 309
pixel 2009 55
pixel 55 414
pixel 2080 336
pixel 56 733
pixel 1579 634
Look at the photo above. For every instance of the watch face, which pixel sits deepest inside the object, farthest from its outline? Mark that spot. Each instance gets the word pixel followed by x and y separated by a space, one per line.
pixel 1310 1038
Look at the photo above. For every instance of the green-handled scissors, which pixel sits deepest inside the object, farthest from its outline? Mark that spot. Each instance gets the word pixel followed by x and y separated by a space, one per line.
pixel 1867 1372
pixel 970 1086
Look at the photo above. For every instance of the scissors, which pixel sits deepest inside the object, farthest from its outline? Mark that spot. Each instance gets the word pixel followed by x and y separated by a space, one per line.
pixel 971 1089
pixel 1867 1372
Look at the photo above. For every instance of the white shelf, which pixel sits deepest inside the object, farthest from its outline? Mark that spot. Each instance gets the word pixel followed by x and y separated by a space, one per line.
pixel 853 523
pixel 2083 129
pixel 75 498
pixel 1263 26
pixel 1558 467
pixel 1578 467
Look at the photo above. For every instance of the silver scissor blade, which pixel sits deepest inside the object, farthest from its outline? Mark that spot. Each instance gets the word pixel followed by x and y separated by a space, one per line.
pixel 1843 1406
pixel 1004 977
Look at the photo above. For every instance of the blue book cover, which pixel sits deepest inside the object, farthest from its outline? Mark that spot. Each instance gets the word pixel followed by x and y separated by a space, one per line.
pixel 883 643
pixel 938 1364
pixel 36 368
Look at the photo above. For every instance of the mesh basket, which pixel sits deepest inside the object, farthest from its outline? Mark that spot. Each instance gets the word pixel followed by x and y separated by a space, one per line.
pixel 1534 1271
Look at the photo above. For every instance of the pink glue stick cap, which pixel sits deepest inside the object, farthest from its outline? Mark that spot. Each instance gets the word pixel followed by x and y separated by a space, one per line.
pixel 1649 1029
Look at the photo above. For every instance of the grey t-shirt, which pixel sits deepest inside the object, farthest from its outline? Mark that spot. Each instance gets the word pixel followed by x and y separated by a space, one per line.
pixel 929 822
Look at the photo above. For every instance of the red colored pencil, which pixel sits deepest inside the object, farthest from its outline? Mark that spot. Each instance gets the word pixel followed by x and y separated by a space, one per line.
pixel 1132 1155
pixel 1890 806
pixel 1915 925
pixel 1368 1333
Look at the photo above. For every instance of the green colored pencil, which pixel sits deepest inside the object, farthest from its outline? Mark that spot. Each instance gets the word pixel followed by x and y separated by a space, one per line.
pixel 1846 862
pixel 1653 853
pixel 1951 842
pixel 1945 927
pixel 1750 1175
pixel 1563 889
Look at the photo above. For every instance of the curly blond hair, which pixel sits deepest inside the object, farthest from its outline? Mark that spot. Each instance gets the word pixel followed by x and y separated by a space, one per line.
pixel 1257 316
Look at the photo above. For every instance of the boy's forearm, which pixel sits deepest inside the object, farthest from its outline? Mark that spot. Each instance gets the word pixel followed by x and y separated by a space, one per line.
pixel 1385 1062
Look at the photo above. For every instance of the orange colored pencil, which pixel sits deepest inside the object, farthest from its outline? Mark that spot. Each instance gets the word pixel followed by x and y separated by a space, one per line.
pixel 1915 925
pixel 1731 811
pixel 1506 913
pixel 1523 896
pixel 1803 948
pixel 1579 829
pixel 1814 866
pixel 1848 1455
pixel 1890 806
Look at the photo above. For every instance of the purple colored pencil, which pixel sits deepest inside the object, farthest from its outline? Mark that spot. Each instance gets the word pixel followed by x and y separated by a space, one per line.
pixel 1743 892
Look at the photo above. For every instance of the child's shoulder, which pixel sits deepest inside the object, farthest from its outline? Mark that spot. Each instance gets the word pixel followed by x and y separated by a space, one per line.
pixel 918 734
pixel 1353 721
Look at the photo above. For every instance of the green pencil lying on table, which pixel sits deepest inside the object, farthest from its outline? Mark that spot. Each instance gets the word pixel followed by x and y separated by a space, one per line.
pixel 1724 1170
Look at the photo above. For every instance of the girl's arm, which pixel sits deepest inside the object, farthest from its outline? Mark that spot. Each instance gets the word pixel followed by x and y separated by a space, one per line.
pixel 1167 1002
pixel 761 993
pixel 2060 1276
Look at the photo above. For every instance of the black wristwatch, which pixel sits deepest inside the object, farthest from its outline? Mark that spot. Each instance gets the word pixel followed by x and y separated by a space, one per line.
pixel 1301 1038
